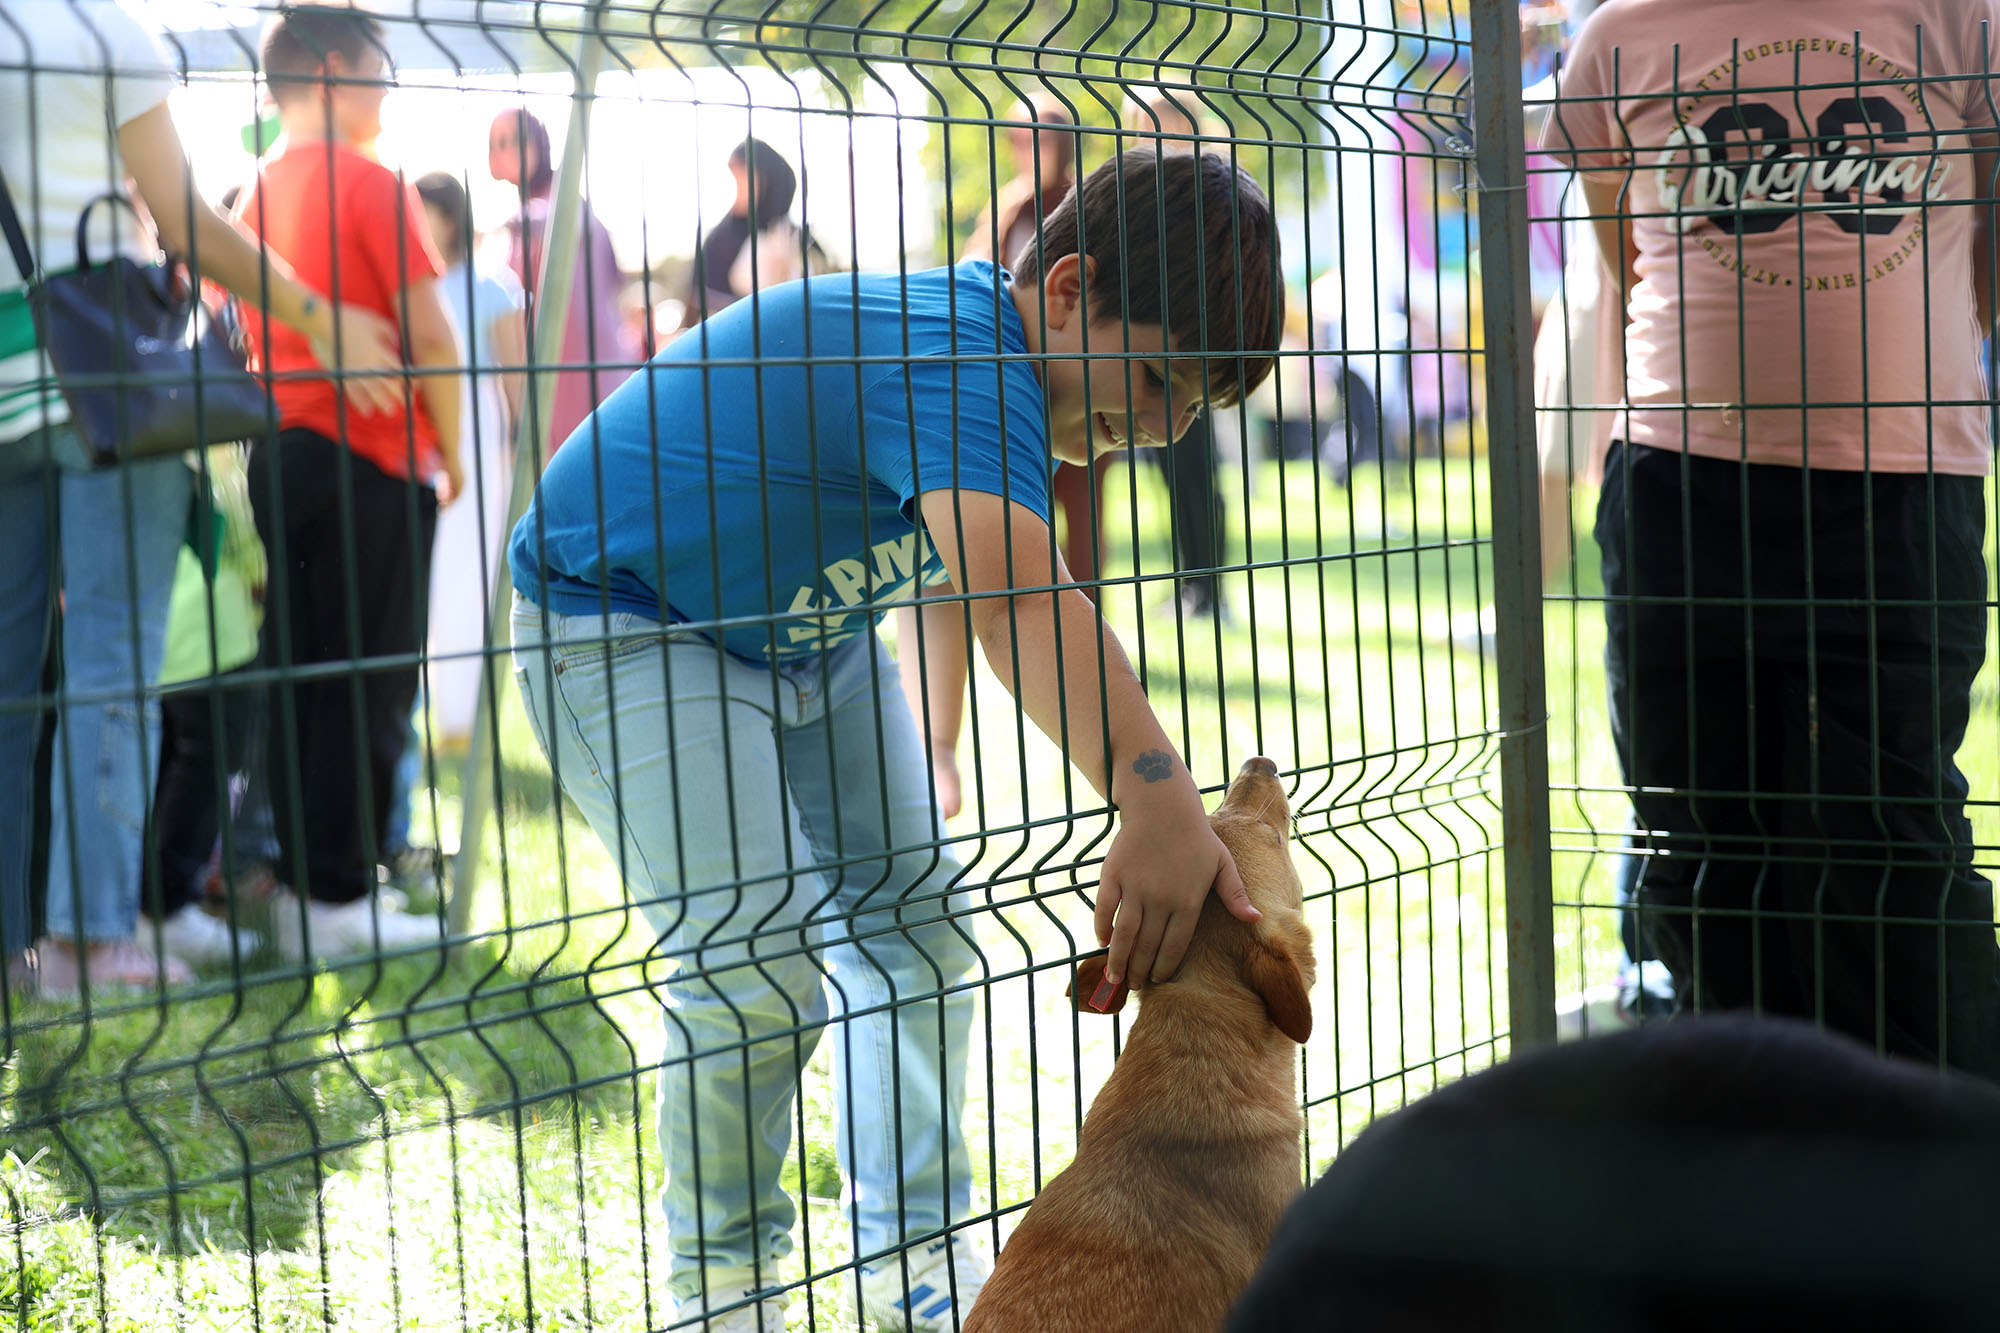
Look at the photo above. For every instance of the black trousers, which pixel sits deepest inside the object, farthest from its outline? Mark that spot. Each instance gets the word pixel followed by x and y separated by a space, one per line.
pixel 1189 463
pixel 350 550
pixel 1790 656
pixel 206 735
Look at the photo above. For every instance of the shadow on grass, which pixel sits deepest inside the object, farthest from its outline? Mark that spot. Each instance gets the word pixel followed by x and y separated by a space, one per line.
pixel 216 1121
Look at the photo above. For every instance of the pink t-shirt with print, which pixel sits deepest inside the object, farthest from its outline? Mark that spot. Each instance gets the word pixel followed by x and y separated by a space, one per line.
pixel 1803 226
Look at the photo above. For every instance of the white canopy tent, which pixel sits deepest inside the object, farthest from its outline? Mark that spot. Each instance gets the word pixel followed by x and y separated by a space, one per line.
pixel 463 36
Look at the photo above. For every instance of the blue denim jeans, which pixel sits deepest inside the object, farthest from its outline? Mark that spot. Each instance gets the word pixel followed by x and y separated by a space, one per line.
pixel 119 528
pixel 755 814
pixel 409 774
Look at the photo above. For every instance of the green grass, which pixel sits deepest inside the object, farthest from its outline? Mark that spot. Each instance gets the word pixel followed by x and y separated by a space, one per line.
pixel 466 1144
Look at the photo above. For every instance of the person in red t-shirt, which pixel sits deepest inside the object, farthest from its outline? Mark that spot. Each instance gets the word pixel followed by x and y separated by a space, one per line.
pixel 346 501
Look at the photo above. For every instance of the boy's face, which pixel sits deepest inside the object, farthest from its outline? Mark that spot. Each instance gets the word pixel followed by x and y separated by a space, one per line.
pixel 1119 396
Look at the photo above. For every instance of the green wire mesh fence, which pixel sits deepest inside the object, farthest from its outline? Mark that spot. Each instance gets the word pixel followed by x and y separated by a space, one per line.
pixel 454 993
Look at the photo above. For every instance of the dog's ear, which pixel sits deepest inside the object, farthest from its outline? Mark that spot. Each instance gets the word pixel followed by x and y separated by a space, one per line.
pixel 1272 970
pixel 1086 989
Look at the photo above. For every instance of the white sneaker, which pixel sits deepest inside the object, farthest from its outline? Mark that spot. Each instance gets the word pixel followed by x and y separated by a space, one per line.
pixel 342 930
pixel 198 939
pixel 944 1281
pixel 726 1288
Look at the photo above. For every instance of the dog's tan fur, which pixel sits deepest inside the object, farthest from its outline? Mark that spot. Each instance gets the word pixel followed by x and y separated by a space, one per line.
pixel 1191 1152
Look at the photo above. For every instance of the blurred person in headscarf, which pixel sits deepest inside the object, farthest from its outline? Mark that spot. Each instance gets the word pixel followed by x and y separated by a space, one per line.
pixel 756 244
pixel 596 347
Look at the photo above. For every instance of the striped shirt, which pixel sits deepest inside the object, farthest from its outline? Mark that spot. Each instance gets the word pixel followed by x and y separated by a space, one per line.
pixel 68 70
pixel 28 399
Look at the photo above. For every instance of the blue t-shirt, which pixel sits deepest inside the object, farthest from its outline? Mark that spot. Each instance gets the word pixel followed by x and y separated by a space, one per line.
pixel 763 470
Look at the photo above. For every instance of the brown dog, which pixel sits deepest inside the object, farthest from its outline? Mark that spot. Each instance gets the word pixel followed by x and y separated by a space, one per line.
pixel 1191 1152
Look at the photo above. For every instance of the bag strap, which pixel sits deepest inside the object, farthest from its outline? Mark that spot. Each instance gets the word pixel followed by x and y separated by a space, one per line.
pixel 17 239
pixel 114 198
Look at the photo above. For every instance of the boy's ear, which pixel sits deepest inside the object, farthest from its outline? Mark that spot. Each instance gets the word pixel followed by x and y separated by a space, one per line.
pixel 1089 980
pixel 1062 289
pixel 1272 970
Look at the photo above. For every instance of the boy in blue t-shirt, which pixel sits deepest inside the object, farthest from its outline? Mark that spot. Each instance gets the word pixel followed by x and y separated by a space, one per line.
pixel 699 577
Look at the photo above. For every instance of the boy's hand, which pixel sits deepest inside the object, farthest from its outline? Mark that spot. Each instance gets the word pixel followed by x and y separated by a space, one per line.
pixel 450 483
pixel 371 356
pixel 1156 877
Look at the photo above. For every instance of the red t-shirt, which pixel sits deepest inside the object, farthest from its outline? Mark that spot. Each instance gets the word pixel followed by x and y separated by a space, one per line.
pixel 323 206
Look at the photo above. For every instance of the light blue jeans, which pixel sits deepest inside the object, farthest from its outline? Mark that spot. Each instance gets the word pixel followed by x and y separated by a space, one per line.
pixel 120 528
pixel 754 812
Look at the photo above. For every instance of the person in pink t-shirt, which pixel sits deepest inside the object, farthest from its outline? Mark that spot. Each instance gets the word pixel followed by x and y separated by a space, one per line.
pixel 1794 196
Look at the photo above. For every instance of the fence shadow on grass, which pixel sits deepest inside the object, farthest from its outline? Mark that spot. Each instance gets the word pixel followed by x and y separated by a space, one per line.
pixel 216 1121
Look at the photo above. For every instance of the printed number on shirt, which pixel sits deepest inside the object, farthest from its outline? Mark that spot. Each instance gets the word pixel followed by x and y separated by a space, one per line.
pixel 1744 170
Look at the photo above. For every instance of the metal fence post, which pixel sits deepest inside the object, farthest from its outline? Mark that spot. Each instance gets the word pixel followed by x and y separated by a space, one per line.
pixel 531 447
pixel 1500 161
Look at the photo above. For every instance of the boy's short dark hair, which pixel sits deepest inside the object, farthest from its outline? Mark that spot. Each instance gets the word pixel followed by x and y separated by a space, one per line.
pixel 297 45
pixel 1182 240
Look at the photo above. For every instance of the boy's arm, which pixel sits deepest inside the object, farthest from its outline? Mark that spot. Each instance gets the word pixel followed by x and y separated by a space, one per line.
pixel 433 344
pixel 931 657
pixel 1062 663
pixel 188 227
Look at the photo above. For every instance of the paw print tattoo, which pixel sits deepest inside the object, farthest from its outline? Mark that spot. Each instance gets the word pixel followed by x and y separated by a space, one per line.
pixel 1154 766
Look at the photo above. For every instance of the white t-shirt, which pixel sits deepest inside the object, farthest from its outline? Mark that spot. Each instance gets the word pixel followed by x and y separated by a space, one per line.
pixel 70 72
pixel 492 294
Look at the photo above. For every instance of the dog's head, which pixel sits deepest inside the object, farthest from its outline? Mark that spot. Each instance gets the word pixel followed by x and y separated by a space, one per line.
pixel 1272 957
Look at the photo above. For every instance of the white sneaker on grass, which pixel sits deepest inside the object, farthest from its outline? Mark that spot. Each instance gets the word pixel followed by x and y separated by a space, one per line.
pixel 198 939
pixel 943 1281
pixel 727 1289
pixel 344 930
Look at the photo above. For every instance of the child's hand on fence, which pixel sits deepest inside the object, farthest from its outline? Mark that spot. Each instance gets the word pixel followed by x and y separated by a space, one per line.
pixel 1158 873
pixel 370 359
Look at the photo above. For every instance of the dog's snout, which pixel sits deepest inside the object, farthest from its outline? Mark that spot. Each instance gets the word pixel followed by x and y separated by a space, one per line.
pixel 1257 792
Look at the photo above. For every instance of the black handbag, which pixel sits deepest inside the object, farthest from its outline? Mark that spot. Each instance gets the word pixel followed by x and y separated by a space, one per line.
pixel 143 369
